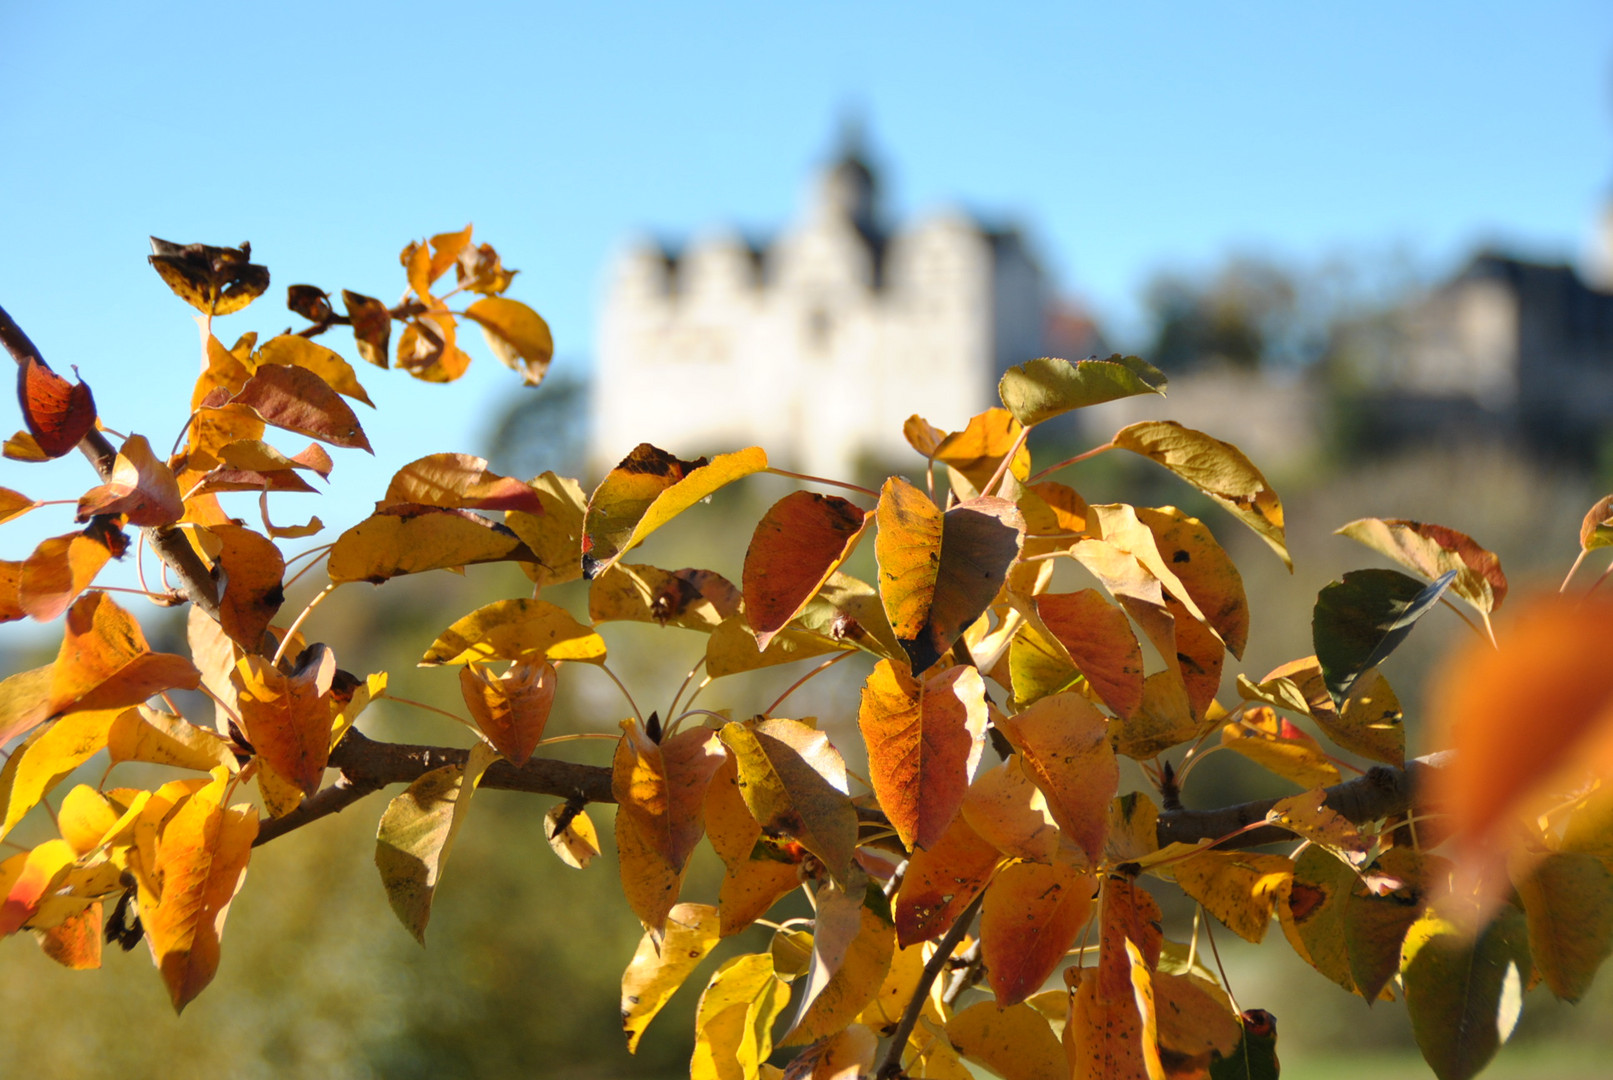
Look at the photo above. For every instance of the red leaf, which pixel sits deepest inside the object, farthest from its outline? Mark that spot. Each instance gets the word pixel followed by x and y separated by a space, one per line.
pixel 58 413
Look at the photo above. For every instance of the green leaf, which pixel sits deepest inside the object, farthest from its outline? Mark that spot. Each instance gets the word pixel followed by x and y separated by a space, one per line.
pixel 1044 388
pixel 1464 993
pixel 1360 620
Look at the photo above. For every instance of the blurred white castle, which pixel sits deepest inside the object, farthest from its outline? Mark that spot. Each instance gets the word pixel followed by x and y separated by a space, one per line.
pixel 818 345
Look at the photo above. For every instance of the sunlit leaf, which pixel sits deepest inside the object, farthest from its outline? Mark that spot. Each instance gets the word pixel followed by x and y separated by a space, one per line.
pixel 512 708
pixel 105 662
pixel 1099 639
pixel 941 880
pixel 908 547
pixel 1005 808
pixel 1133 828
pixel 847 1054
pixel 1038 665
pixel 287 718
pixel 751 885
pixel 1237 887
pixel 1463 994
pixel 14 504
pixel 572 835
pixel 980 447
pixel 1370 724
pixel 1064 741
pixel 417 831
pixel 58 413
pixel 1312 913
pixel 25 701
pixel 291 350
pixel 1044 388
pixel 852 948
pixel 555 536
pixel 732 648
pixel 1128 914
pixel 201 861
pixel 459 481
pixel 372 326
pixel 213 280
pixel 146 734
pixel 1271 741
pixel 922 435
pixel 797 546
pixel 1361 619
pixel 1205 570
pixel 1193 1017
pixel 408 539
pixel 788 795
pixel 1307 815
pixel 1103 1039
pixel 661 965
pixel 1596 530
pixel 296 399
pixel 428 348
pixel 1032 914
pixel 29 880
pixel 650 488
pixel 1433 551
pixel 59 570
pixel 38 765
pixel 516 334
pixel 734 1021
pixel 75 943
pixel 692 599
pixel 922 738
pixel 252 571
pixel 141 487
pixel 1163 720
pixel 1216 468
pixel 1015 1043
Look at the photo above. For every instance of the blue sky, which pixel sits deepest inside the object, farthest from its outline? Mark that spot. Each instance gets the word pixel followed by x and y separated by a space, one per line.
pixel 1124 138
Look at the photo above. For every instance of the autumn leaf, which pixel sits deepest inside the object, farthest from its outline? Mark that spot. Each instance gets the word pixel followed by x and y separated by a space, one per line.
pixel 410 539
pixel 908 547
pixel 287 718
pixel 751 885
pixel 511 709
pixel 105 662
pixel 296 399
pixel 61 568
pixel 1370 723
pixel 417 831
pixel 1361 619
pixel 1312 913
pixel 1384 902
pixel 460 482
pixel 1016 1043
pixel 1272 742
pixel 1099 639
pixel 798 545
pixel 75 943
pixel 922 435
pixel 571 834
pixel 660 789
pixel 1204 569
pixel 735 1017
pixel 1239 888
pixel 213 280
pixel 941 881
pixel 290 350
pixel 1568 901
pixel 1064 741
pixel 555 536
pixel 1007 810
pixel 1596 530
pixel 28 881
pixel 528 631
pixel 648 489
pixel 732 648
pixel 428 349
pixel 693 599
pixel 923 739
pixel 14 504
pixel 516 334
pixel 1216 468
pixel 372 326
pixel 847 1054
pixel 852 948
pixel 1032 914
pixel 1044 388
pixel 1464 994
pixel 662 964
pixel 201 861
pixel 252 571
pixel 146 734
pixel 794 784
pixel 1433 551
pixel 1103 1038
pixel 977 450
pixel 58 413
pixel 33 769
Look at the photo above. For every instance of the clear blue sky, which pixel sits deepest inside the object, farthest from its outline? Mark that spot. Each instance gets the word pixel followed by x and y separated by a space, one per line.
pixel 1124 137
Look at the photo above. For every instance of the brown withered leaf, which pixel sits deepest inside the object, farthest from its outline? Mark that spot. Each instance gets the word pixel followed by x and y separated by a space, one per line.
pixel 213 280
pixel 58 413
pixel 372 326
pixel 296 399
pixel 287 718
pixel 516 334
pixel 797 546
pixel 410 539
pixel 141 488
pixel 311 302
pixel 512 708
pixel 460 481
pixel 923 739
pixel 290 350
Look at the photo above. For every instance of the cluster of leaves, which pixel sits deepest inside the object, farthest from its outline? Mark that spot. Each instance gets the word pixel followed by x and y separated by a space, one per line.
pixel 1002 873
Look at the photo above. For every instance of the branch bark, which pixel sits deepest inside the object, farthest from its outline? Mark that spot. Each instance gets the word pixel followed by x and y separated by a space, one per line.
pixel 195 582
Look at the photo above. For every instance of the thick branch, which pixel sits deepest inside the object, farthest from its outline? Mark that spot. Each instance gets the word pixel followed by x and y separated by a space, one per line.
pixel 170 545
pixel 1381 792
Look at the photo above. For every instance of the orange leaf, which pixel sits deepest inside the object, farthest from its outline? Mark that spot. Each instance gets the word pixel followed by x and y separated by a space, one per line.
pixel 1065 744
pixel 1032 914
pixel 941 880
pixel 1204 569
pixel 518 336
pixel 979 448
pixel 459 481
pixel 372 326
pixel 908 547
pixel 427 349
pixel 649 488
pixel 1523 719
pixel 409 539
pixel 288 717
pixel 104 661
pixel 296 399
pixel 1099 639
pixel 75 943
pixel 29 880
pixel 1129 913
pixel 58 413
pixel 1006 809
pixel 59 569
pixel 922 435
pixel 141 487
pixel 510 709
pixel 201 861
pixel 923 739
pixel 14 504
pixel 253 567
pixel 290 350
pixel 660 790
pixel 797 546
pixel 1103 1038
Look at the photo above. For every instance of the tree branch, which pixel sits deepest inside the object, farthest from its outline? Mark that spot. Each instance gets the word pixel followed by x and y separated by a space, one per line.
pixel 891 1067
pixel 170 544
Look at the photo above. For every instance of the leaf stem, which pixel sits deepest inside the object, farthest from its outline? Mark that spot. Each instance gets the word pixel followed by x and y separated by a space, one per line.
pixel 321 550
pixel 891 1067
pixel 429 708
pixel 1067 462
pixel 578 737
pixel 797 684
pixel 1570 575
pixel 1007 461
pixel 822 480
pixel 1471 625
pixel 630 702
pixel 1226 984
pixel 672 709
pixel 285 639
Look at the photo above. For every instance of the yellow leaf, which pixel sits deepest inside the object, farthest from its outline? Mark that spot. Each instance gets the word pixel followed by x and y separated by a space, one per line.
pixel 576 842
pixel 84 819
pixel 1239 888
pixel 555 536
pixel 201 861
pixel 1015 1043
pixel 45 760
pixel 908 547
pixel 141 487
pixel 660 966
pixel 692 599
pixel 901 983
pixel 732 648
pixel 1432 550
pixel 980 447
pixel 528 631
pixel 851 955
pixel 418 829
pixel 147 734
pixel 516 334
pixel 650 488
pixel 1267 739
pixel 1568 898
pixel 1216 468
pixel 794 784
pixel 1064 742
pixel 847 1054
pixel 410 539
pixel 734 1021
pixel 1044 388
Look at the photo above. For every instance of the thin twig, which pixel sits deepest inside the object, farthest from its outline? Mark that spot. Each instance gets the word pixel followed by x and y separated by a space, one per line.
pixel 1067 462
pixel 797 684
pixel 891 1067
pixel 822 480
